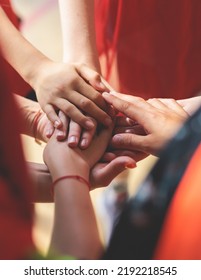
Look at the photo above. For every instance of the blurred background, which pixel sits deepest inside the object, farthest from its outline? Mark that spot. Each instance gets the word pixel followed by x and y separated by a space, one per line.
pixel 40 24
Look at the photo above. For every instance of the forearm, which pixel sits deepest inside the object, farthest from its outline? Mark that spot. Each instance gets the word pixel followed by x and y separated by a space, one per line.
pixel 78 30
pixel 28 109
pixel 75 230
pixel 19 53
pixel 42 182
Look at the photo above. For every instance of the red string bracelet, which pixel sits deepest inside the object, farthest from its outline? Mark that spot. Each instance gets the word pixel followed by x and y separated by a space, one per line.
pixel 35 124
pixel 76 177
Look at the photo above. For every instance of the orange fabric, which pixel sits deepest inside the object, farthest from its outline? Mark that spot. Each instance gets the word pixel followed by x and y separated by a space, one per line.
pixel 181 234
pixel 158 47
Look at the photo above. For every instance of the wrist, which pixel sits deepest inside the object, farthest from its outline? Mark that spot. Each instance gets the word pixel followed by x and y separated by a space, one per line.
pixel 69 167
pixel 35 69
pixel 90 60
pixel 29 109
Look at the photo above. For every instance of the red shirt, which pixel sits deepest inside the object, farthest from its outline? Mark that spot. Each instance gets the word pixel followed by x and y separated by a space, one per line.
pixel 15 186
pixel 157 45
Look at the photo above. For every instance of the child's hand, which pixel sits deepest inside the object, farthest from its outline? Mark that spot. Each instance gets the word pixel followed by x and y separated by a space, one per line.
pixel 67 87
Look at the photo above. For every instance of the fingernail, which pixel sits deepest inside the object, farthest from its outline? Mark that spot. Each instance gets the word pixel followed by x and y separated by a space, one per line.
pixel 49 133
pixel 73 140
pixel 57 124
pixel 130 165
pixel 117 139
pixel 60 134
pixel 84 143
pixel 89 124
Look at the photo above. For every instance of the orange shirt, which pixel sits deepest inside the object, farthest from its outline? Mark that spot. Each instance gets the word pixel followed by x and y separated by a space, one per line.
pixel 181 234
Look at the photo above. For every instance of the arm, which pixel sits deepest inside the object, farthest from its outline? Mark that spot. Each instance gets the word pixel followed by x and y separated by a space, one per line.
pixel 78 29
pixel 58 85
pixel 42 182
pixel 75 230
pixel 33 116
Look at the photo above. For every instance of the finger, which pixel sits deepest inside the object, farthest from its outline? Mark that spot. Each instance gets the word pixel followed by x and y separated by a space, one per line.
pixel 49 130
pixel 155 102
pixel 137 129
pixel 127 97
pixel 111 111
pixel 108 171
pixel 74 113
pixel 62 132
pixel 132 142
pixel 91 76
pixel 74 134
pixel 100 142
pixel 81 103
pixel 136 155
pixel 52 116
pixel 87 136
pixel 174 105
pixel 109 87
pixel 108 156
pixel 132 110
pixel 124 121
pixel 89 92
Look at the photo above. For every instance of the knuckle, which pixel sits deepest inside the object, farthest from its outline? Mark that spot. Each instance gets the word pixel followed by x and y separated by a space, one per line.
pixel 69 109
pixel 94 122
pixel 125 106
pixel 95 76
pixel 128 140
pixel 151 100
pixel 80 66
pixel 98 99
pixel 85 103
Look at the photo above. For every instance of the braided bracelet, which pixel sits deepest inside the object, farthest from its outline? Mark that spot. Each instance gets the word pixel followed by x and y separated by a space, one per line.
pixel 76 177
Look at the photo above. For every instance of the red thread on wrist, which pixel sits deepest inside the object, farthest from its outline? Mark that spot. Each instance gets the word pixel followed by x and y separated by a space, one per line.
pixel 35 124
pixel 76 177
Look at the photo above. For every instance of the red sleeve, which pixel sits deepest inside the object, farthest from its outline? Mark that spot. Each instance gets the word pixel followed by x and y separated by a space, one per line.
pixel 15 186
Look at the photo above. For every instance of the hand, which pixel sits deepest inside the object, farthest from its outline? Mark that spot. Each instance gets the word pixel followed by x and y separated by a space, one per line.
pixel 156 119
pixel 42 128
pixel 63 160
pixel 77 136
pixel 66 87
pixel 112 164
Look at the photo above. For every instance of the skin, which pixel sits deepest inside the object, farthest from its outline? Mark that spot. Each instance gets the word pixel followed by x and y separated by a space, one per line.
pixel 156 122
pixel 58 86
pixel 73 208
pixel 103 169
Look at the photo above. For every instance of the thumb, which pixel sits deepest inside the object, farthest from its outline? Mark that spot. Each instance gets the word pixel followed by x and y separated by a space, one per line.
pixel 103 173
